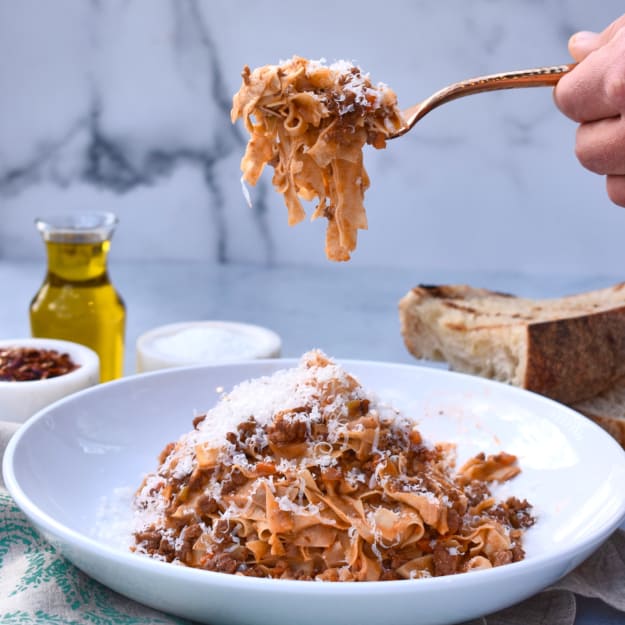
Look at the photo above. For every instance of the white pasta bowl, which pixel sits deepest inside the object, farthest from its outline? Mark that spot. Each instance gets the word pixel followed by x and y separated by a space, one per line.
pixel 72 456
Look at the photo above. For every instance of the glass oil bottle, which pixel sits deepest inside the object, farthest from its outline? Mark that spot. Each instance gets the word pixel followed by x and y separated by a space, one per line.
pixel 77 301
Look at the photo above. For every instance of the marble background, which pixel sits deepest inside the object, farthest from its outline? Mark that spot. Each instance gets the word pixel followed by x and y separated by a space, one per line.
pixel 123 105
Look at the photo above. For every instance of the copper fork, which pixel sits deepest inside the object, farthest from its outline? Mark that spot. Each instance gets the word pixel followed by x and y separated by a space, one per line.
pixel 537 77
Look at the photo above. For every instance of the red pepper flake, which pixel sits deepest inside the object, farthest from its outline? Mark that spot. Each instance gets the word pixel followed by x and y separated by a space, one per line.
pixel 24 364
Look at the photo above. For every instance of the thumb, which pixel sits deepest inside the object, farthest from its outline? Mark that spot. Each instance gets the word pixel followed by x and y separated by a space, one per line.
pixel 583 43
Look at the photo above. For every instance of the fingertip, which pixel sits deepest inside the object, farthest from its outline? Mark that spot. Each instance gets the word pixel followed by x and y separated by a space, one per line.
pixel 581 44
pixel 615 186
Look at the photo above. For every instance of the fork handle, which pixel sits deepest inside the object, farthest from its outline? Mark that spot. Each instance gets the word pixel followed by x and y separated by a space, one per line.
pixel 537 77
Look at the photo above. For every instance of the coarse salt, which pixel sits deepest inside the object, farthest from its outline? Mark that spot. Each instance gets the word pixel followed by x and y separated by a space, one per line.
pixel 203 344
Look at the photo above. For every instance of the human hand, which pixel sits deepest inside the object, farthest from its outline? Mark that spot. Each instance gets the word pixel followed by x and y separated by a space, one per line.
pixel 593 94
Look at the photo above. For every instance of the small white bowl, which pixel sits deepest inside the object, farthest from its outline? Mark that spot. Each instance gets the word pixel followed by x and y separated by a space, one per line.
pixel 204 342
pixel 21 400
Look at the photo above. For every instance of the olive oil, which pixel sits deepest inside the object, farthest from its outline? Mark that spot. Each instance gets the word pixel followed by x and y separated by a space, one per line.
pixel 77 301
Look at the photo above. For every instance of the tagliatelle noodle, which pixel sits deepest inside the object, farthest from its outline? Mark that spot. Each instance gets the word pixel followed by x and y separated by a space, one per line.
pixel 305 475
pixel 310 122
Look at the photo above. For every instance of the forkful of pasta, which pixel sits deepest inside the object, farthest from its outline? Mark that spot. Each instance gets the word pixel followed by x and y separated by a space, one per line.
pixel 310 122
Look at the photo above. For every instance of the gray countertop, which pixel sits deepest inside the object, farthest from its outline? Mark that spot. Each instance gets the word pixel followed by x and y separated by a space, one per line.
pixel 348 311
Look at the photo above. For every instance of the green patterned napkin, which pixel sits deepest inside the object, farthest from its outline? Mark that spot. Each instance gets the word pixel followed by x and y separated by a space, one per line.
pixel 40 587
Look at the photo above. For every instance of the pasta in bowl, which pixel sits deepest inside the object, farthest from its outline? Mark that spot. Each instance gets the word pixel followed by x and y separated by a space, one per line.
pixel 305 475
pixel 310 122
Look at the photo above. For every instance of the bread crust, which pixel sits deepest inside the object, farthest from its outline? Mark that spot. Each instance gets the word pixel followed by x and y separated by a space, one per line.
pixel 574 359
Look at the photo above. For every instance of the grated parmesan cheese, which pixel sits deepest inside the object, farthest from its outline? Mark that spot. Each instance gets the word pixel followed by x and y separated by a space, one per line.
pixel 261 398
pixel 356 82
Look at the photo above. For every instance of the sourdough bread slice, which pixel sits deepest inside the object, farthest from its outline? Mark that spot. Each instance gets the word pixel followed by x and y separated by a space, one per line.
pixel 570 348
pixel 607 410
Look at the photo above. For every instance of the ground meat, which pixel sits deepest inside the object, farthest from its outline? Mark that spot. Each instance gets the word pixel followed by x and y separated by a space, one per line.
pixel 253 571
pixel 476 492
pixel 222 563
pixel 388 441
pixel 513 512
pixel 519 513
pixel 247 428
pixel 232 482
pixel 148 539
pixel 444 562
pixel 286 431
pixel 206 505
pixel 499 514
pixel 417 456
pixel 501 557
pixel 198 420
pixel 166 549
pixel 189 536
pixel 517 553
pixel 247 439
pixel 454 521
pixel 392 562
